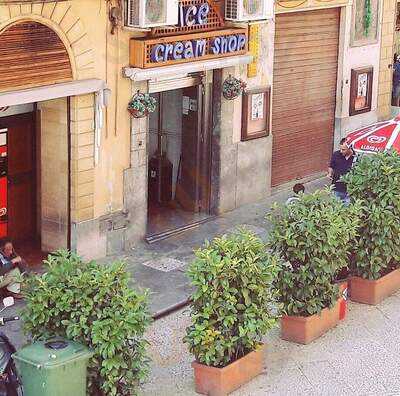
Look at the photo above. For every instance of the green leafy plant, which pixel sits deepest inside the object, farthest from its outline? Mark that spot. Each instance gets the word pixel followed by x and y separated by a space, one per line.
pixel 312 236
pixel 367 17
pixel 375 181
pixel 232 306
pixel 142 104
pixel 232 87
pixel 93 305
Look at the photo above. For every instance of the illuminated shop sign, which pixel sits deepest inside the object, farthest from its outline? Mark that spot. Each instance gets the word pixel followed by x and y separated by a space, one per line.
pixel 190 49
pixel 193 15
pixel 186 48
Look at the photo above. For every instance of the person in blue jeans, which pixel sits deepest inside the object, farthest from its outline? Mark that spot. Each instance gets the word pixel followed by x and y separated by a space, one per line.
pixel 341 162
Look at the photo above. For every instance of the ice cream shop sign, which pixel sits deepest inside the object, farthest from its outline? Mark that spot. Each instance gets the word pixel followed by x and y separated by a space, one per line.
pixel 154 52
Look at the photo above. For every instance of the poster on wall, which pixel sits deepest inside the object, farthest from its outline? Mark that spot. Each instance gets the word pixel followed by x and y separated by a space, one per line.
pixel 257 106
pixel 256 113
pixel 361 90
pixel 365 22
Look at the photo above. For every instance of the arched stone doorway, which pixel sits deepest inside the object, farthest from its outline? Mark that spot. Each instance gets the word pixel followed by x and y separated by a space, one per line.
pixel 32 54
pixel 37 137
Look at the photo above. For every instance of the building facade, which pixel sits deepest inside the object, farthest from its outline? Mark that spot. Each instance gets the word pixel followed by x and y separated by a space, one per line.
pixel 83 173
pixel 67 138
pixel 390 46
pixel 319 49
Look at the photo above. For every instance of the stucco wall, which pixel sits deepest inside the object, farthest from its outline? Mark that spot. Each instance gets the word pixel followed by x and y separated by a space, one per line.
pixel 245 167
pixel 54 174
pixel 386 59
pixel 352 57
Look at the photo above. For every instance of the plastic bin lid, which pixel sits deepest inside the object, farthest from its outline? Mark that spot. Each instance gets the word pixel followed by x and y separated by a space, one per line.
pixel 52 353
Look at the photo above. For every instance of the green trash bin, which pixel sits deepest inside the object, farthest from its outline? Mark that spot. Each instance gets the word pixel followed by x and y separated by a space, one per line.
pixel 53 368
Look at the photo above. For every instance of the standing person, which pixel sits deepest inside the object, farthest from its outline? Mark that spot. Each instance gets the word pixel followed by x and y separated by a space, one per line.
pixel 341 162
pixel 396 81
pixel 9 271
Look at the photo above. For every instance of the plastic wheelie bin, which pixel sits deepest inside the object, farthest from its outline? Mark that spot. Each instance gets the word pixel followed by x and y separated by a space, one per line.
pixel 53 368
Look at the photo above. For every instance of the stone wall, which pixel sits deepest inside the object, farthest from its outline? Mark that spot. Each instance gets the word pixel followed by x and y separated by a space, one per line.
pixel 54 174
pixel 386 59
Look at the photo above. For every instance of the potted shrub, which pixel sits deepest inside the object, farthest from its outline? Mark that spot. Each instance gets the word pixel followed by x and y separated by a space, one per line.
pixel 375 180
pixel 312 237
pixel 233 87
pixel 141 105
pixel 232 308
pixel 93 305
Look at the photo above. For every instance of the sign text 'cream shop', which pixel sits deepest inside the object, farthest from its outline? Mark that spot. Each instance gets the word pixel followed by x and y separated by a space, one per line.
pixel 198 48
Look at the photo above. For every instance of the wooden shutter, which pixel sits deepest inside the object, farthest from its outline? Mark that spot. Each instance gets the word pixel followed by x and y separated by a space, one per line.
pixel 304 92
pixel 32 54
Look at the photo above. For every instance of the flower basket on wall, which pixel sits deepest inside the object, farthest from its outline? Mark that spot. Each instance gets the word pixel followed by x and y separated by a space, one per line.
pixel 141 105
pixel 233 87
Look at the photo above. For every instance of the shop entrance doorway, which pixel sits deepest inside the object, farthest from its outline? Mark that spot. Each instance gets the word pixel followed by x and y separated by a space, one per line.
pixel 19 185
pixel 20 135
pixel 179 162
pixel 34 178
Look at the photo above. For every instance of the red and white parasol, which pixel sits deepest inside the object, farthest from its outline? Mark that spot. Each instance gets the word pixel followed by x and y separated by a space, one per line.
pixel 376 138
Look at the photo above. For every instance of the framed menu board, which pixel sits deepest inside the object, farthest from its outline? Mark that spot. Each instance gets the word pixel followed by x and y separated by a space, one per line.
pixel 361 90
pixel 256 113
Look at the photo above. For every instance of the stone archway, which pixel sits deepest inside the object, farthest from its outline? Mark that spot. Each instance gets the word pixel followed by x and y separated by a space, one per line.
pixel 58 16
pixel 72 51
pixel 32 54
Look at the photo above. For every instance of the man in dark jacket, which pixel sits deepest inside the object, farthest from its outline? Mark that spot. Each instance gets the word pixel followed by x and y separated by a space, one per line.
pixel 341 162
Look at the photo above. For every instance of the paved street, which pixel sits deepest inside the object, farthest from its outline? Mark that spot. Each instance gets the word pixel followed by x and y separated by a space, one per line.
pixel 161 267
pixel 361 356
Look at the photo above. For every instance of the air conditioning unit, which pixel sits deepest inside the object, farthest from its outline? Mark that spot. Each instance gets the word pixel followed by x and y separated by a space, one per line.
pixel 248 10
pixel 150 13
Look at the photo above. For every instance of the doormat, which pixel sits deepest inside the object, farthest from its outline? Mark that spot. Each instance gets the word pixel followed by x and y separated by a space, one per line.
pixel 165 264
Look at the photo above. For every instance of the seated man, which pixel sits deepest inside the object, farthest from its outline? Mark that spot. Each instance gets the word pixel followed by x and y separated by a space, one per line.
pixel 9 269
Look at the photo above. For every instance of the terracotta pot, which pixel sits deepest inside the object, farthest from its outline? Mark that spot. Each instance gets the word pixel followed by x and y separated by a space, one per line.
pixel 372 292
pixel 230 96
pixel 213 381
pixel 305 329
pixel 137 114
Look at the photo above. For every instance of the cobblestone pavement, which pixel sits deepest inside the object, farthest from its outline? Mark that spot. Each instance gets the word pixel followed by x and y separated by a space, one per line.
pixel 361 356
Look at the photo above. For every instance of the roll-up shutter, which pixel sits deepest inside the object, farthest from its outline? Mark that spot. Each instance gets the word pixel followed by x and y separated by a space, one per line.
pixel 174 82
pixel 304 92
pixel 32 54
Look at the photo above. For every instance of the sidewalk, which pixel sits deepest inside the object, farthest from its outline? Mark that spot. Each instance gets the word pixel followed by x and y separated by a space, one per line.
pixel 160 267
pixel 361 356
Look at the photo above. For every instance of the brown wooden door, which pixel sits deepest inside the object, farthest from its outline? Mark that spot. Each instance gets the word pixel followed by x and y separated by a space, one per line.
pixel 188 191
pixel 21 176
pixel 304 92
